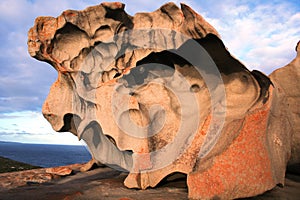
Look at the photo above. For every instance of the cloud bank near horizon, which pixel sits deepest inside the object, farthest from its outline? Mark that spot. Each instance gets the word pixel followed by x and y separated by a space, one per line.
pixel 31 127
pixel 262 34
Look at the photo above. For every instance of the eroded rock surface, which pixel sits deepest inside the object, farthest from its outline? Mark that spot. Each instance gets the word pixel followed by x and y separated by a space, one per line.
pixel 13 180
pixel 287 82
pixel 107 184
pixel 158 93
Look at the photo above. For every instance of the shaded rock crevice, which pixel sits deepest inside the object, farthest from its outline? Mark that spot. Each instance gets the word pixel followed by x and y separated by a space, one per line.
pixel 158 93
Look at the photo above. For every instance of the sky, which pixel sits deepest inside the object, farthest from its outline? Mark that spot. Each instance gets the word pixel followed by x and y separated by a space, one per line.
pixel 262 34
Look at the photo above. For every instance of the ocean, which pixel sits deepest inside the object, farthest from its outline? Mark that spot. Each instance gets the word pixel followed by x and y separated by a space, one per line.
pixel 44 155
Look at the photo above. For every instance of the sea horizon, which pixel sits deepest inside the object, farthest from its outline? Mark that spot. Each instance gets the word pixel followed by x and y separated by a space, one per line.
pixel 44 155
pixel 66 144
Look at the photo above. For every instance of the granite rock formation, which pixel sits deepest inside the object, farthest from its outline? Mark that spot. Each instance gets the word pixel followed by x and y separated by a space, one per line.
pixel 287 82
pixel 158 93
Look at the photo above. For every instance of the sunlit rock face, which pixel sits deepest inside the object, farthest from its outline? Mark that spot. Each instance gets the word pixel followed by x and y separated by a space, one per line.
pixel 158 93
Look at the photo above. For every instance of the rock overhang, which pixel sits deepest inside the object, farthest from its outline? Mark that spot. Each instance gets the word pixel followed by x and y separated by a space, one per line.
pixel 114 69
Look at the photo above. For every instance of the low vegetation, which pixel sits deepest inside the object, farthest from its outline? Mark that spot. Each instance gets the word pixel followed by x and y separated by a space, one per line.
pixel 7 165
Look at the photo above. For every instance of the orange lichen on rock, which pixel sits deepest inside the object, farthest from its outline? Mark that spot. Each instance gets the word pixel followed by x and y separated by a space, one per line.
pixel 158 93
pixel 242 170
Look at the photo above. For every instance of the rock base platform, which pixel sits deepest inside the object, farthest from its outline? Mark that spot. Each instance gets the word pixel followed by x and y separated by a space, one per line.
pixel 106 183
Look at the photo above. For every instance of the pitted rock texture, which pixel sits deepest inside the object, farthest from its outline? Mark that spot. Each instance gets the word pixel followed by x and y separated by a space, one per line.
pixel 158 93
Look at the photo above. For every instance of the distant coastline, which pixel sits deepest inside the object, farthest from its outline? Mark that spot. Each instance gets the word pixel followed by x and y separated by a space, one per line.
pixel 44 155
pixel 8 165
pixel 8 142
pixel 11 142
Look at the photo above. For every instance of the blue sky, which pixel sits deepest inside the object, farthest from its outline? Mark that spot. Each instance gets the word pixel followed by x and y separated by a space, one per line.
pixel 262 34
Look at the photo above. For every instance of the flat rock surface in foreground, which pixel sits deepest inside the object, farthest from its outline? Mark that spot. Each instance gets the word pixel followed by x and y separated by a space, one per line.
pixel 105 183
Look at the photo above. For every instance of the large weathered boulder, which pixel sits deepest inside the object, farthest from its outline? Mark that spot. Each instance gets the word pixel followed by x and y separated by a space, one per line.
pixel 287 82
pixel 158 93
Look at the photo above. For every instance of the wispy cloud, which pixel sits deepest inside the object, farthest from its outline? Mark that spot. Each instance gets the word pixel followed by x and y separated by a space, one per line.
pixel 262 34
pixel 31 127
pixel 53 138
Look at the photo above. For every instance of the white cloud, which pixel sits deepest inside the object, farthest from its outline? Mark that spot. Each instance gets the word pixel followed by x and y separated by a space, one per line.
pixel 31 127
pixel 261 35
